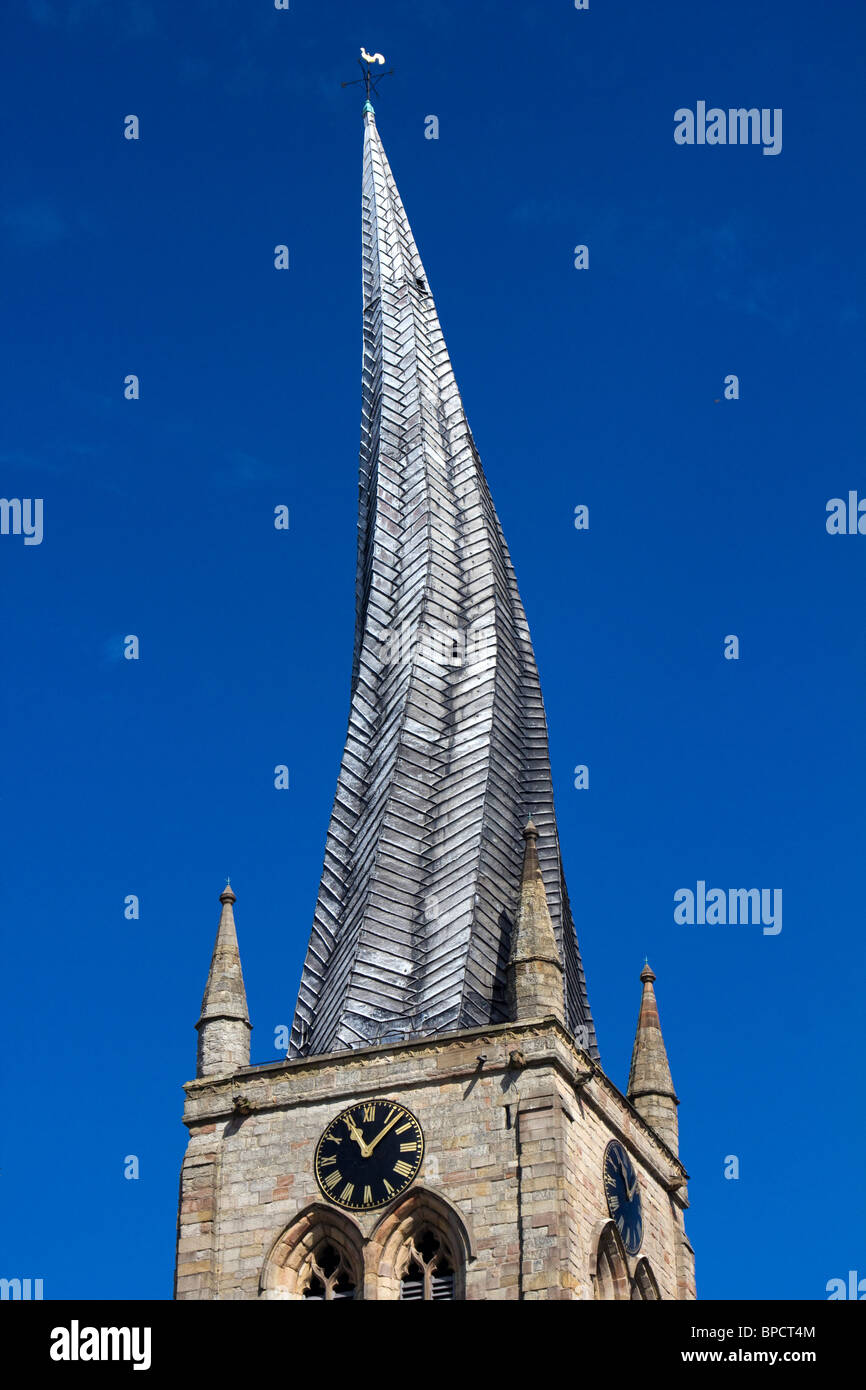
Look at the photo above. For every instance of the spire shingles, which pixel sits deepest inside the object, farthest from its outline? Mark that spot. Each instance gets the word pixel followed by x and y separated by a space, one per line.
pixel 447 737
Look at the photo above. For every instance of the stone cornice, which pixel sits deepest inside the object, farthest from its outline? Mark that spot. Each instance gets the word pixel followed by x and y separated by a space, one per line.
pixel 574 1065
pixel 580 1070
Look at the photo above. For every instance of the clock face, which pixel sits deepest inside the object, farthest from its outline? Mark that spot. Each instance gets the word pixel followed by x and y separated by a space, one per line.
pixel 623 1195
pixel 369 1154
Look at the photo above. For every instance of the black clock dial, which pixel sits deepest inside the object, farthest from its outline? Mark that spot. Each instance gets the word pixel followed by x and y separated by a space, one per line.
pixel 623 1195
pixel 369 1154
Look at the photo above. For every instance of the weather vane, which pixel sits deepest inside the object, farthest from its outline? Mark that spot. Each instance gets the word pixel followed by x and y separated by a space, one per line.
pixel 365 63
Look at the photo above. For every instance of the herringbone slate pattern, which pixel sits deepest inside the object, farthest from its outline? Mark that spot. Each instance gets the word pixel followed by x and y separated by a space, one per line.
pixel 446 752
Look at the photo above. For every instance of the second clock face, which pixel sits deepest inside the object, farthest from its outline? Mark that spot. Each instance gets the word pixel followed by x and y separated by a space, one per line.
pixel 623 1195
pixel 369 1154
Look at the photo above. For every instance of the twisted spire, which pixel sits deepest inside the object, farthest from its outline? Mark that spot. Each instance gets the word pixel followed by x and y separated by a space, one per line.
pixel 447 736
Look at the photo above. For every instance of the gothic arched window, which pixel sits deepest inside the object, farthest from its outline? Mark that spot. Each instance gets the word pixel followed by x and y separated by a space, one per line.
pixel 429 1273
pixel 644 1284
pixel 608 1266
pixel 419 1251
pixel 328 1274
pixel 319 1256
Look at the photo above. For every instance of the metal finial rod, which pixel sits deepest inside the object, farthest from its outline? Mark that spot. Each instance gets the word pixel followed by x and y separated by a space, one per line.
pixel 370 82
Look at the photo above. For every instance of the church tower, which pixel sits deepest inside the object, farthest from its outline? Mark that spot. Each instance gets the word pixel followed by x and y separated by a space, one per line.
pixel 442 1127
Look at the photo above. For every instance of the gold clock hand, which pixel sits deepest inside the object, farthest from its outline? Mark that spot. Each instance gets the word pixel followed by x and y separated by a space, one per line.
pixel 630 1188
pixel 358 1137
pixel 381 1135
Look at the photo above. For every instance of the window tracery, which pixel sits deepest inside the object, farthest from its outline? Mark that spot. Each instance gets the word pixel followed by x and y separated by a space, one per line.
pixel 429 1273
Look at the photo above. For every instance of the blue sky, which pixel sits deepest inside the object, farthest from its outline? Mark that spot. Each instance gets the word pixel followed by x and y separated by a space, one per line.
pixel 602 387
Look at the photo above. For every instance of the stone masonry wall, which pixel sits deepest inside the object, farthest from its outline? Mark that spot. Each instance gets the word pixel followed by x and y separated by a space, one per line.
pixel 512 1163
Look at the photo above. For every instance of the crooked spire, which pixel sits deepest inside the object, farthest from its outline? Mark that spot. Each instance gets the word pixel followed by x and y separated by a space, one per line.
pixel 224 1026
pixel 447 736
pixel 650 1088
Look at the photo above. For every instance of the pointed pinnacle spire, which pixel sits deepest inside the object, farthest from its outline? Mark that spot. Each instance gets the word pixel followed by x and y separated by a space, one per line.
pixel 224 1026
pixel 650 1087
pixel 534 968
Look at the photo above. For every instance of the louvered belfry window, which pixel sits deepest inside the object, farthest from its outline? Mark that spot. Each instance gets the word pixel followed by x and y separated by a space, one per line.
pixel 329 1276
pixel 429 1273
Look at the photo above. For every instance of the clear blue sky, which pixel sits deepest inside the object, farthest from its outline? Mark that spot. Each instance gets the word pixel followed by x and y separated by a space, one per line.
pixel 602 387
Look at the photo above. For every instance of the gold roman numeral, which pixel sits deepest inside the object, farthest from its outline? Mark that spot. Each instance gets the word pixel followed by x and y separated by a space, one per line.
pixel 346 1194
pixel 409 1148
pixel 368 1197
pixel 370 1112
pixel 404 1169
pixel 326 1162
pixel 388 1188
pixel 333 1178
pixel 401 1129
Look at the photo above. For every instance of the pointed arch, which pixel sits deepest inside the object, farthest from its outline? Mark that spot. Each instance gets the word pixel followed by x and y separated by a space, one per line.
pixel 319 1255
pixel 644 1284
pixel 419 1250
pixel 608 1266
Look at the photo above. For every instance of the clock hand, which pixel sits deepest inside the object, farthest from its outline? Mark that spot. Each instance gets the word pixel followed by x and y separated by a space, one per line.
pixel 381 1135
pixel 630 1188
pixel 358 1137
